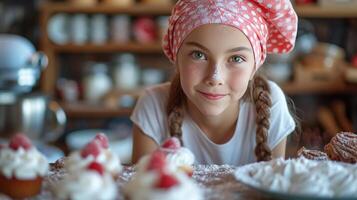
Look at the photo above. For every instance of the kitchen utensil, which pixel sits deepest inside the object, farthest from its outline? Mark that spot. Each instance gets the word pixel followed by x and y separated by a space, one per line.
pixel 20 64
pixel 33 114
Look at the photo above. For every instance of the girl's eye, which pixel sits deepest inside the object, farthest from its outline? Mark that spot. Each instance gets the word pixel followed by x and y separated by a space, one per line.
pixel 236 59
pixel 197 55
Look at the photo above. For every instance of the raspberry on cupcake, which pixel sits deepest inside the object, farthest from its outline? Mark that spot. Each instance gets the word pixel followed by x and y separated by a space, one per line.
pixel 157 180
pixel 178 157
pixel 96 150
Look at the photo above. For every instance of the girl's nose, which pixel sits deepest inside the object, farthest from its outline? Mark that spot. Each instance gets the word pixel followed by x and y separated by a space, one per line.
pixel 215 78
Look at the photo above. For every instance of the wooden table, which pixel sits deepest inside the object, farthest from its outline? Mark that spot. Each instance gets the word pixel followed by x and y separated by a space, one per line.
pixel 217 182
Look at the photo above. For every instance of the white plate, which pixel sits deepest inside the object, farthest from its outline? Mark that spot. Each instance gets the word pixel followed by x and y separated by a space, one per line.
pixel 121 146
pixel 57 28
pixel 243 175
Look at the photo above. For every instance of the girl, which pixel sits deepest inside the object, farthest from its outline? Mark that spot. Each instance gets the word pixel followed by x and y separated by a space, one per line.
pixel 216 104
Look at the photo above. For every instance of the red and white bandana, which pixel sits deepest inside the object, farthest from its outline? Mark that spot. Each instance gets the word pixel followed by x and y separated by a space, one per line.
pixel 270 25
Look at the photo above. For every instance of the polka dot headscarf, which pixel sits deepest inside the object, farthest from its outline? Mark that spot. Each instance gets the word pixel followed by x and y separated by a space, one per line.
pixel 270 25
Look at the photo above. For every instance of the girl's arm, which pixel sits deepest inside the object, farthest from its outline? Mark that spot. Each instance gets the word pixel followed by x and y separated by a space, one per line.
pixel 142 144
pixel 279 150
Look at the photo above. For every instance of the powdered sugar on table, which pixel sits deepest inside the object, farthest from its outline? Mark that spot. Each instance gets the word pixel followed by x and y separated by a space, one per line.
pixel 217 181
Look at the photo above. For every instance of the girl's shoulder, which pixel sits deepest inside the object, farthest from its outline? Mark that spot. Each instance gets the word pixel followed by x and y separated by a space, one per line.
pixel 276 92
pixel 156 94
pixel 159 89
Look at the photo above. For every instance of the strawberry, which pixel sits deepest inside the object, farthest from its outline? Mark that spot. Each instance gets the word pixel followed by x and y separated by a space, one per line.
pixel 171 143
pixel 95 166
pixel 103 140
pixel 166 181
pixel 92 148
pixel 20 140
pixel 157 161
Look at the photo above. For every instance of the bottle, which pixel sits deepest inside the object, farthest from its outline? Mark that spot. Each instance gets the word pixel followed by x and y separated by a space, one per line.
pixel 120 29
pixel 96 82
pixel 99 29
pixel 126 72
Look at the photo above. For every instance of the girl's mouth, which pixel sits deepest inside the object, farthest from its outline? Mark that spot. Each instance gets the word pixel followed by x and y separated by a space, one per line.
pixel 212 96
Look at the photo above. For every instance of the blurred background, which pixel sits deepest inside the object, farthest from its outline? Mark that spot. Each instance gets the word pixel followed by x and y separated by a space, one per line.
pixel 73 68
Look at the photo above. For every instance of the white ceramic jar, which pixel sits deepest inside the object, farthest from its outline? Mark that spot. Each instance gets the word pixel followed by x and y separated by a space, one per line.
pixel 126 72
pixel 96 82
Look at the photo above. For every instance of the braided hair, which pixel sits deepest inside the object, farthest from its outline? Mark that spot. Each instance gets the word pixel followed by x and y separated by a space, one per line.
pixel 174 108
pixel 259 93
pixel 262 101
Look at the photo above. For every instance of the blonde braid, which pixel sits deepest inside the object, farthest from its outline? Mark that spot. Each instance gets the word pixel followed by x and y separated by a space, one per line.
pixel 262 101
pixel 174 108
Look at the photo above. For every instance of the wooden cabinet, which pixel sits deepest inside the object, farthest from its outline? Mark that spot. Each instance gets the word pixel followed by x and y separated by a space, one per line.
pixel 79 109
pixel 54 51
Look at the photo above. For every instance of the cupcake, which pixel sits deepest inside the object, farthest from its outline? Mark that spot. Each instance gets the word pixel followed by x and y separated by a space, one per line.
pixel 157 181
pixel 96 150
pixel 90 182
pixel 21 166
pixel 177 157
pixel 312 154
pixel 343 147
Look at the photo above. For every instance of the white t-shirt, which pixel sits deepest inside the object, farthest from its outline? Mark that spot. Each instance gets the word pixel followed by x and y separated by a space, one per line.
pixel 150 115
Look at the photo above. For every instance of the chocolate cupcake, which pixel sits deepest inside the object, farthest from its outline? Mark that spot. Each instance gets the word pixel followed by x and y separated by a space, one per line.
pixel 312 154
pixel 343 147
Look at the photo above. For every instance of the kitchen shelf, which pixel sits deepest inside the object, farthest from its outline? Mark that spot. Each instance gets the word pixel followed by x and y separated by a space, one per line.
pixel 84 110
pixel 319 88
pixel 316 11
pixel 312 10
pixel 137 9
pixel 108 48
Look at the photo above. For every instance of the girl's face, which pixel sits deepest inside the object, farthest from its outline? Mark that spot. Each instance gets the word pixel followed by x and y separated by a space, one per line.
pixel 215 63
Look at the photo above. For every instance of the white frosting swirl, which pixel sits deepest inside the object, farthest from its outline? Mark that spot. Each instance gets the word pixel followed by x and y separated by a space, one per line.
pixel 263 173
pixel 109 160
pixel 304 177
pixel 179 157
pixel 344 184
pixel 310 184
pixel 23 164
pixel 141 187
pixel 175 159
pixel 86 184
pixel 290 168
pixel 276 182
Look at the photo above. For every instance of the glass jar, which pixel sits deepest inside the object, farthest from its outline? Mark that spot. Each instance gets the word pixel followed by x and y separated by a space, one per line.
pixel 96 82
pixel 126 72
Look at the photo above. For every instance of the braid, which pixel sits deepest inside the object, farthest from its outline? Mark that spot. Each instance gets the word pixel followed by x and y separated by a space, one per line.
pixel 174 108
pixel 262 101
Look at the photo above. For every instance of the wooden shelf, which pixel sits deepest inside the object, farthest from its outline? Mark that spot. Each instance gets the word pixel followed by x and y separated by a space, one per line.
pixel 147 9
pixel 83 110
pixel 316 11
pixel 108 48
pixel 137 9
pixel 319 88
